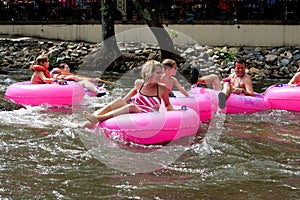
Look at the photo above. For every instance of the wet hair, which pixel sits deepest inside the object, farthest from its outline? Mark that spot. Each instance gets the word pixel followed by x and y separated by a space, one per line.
pixel 40 59
pixel 240 60
pixel 168 63
pixel 61 65
pixel 148 69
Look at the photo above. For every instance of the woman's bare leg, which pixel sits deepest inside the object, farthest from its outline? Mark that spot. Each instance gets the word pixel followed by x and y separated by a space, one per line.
pixel 86 124
pixel 212 79
pixel 128 108
pixel 216 82
pixel 94 119
pixel 88 85
pixel 111 106
pixel 91 87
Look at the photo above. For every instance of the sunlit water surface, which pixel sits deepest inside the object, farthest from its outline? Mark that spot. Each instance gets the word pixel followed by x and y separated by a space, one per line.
pixel 252 156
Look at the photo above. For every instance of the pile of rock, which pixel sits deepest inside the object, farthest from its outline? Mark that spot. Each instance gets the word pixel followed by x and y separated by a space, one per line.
pixel 270 64
pixel 263 62
pixel 22 53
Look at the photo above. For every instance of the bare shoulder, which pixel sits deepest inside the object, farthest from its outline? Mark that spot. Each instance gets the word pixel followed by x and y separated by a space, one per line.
pixel 248 77
pixel 162 87
pixel 174 79
pixel 297 74
pixel 163 84
pixel 138 83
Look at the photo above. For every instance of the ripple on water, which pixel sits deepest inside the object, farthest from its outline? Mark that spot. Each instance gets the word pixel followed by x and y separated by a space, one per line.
pixel 247 156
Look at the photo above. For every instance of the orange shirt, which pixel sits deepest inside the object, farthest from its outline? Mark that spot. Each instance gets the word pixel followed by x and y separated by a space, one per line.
pixel 35 79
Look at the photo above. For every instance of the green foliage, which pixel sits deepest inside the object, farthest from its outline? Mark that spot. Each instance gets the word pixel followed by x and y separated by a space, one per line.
pixel 172 34
pixel 104 8
pixel 147 15
pixel 228 56
pixel 52 60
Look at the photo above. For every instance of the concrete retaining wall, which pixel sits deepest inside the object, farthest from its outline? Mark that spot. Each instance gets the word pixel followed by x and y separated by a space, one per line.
pixel 210 34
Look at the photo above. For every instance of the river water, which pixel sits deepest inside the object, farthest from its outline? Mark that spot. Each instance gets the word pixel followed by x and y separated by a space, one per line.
pixel 248 156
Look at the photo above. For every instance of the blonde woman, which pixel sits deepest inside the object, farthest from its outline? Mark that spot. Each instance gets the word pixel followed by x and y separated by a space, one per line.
pixel 148 95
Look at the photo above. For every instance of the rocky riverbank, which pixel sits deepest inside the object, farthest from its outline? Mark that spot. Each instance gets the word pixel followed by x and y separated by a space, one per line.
pixel 273 64
pixel 263 62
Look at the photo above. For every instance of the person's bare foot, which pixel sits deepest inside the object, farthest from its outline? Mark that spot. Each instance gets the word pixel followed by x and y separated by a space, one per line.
pixel 90 117
pixel 87 124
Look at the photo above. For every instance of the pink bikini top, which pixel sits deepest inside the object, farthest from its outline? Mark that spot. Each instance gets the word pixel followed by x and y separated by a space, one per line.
pixel 147 103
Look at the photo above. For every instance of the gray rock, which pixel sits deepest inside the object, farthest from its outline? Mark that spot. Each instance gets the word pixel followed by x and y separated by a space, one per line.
pixel 284 62
pixel 271 58
pixel 296 57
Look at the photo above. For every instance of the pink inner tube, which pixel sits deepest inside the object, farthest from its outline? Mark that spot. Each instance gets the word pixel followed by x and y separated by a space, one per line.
pixel 202 100
pixel 238 104
pixel 206 102
pixel 152 127
pixel 284 97
pixel 25 93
